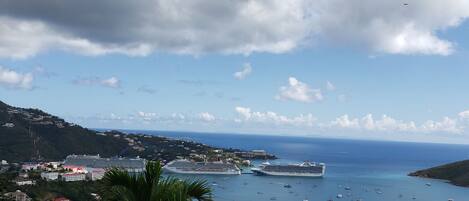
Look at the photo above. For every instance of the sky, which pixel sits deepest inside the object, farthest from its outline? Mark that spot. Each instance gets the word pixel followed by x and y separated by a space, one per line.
pixel 378 70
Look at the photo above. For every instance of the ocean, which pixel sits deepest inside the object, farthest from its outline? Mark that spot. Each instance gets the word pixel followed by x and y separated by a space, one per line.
pixel 359 170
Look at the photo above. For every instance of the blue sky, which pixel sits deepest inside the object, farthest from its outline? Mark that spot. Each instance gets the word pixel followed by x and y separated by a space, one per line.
pixel 309 80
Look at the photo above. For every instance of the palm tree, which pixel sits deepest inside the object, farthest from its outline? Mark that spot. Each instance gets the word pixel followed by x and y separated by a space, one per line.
pixel 151 186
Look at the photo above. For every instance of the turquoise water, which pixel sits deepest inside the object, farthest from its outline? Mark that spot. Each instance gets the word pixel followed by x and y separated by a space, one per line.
pixel 372 170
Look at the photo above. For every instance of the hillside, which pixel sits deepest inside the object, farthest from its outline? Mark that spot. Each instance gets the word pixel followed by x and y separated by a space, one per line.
pixel 33 135
pixel 457 173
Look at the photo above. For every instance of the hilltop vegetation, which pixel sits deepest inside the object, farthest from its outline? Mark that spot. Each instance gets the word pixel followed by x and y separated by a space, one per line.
pixel 34 135
pixel 457 173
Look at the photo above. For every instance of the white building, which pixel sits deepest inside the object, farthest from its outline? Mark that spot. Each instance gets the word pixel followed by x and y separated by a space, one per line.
pixel 17 196
pixel 9 125
pixel 25 182
pixel 95 174
pixel 50 176
pixel 30 166
pixel 73 177
pixel 4 162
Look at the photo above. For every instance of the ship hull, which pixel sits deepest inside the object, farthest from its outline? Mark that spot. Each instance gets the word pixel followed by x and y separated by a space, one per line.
pixel 260 172
pixel 175 171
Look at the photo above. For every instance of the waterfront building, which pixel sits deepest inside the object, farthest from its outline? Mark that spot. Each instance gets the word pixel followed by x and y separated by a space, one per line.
pixel 95 174
pixel 73 177
pixel 30 166
pixel 50 176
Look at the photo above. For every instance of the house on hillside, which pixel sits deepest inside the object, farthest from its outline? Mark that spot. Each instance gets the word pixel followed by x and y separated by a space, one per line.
pixel 17 196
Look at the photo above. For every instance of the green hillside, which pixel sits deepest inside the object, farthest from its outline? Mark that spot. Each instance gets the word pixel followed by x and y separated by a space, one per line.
pixel 457 173
pixel 33 135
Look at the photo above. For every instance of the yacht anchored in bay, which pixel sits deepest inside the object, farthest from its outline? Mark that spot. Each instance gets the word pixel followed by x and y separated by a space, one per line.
pixel 306 169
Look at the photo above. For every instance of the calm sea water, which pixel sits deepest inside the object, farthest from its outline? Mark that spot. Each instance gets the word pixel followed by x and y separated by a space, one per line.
pixel 372 170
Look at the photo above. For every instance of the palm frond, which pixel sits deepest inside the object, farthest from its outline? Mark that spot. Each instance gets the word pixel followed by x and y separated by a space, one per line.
pixel 150 186
pixel 199 190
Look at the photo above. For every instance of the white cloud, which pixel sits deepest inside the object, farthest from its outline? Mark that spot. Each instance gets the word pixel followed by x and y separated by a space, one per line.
pixel 112 82
pixel 446 125
pixel 205 116
pixel 345 122
pixel 25 38
pixel 246 115
pixel 389 124
pixel 147 116
pixel 240 75
pixel 197 27
pixel 12 79
pixel 389 26
pixel 464 114
pixel 298 91
pixel 330 86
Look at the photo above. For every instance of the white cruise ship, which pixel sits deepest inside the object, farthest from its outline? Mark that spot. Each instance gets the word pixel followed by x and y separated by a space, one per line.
pixel 305 169
pixel 189 167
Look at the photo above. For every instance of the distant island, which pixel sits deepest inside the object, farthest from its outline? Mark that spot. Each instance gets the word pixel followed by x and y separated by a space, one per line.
pixel 456 173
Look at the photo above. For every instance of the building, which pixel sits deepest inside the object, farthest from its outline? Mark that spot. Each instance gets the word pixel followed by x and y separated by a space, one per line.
pixel 52 165
pixel 21 182
pixel 17 196
pixel 4 162
pixel 50 176
pixel 75 169
pixel 9 125
pixel 30 166
pixel 134 165
pixel 259 152
pixel 73 177
pixel 95 174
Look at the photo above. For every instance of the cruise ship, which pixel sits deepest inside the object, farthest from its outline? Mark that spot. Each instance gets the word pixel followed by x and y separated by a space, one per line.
pixel 305 169
pixel 189 167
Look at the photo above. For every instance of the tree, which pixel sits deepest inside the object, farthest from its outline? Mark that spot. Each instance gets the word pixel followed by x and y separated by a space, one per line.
pixel 151 186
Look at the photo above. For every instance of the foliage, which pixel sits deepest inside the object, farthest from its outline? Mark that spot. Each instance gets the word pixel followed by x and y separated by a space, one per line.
pixel 151 186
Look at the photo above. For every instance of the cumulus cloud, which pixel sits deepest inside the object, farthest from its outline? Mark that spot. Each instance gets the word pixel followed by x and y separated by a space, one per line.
pixel 298 91
pixel 111 82
pixel 10 78
pixel 240 75
pixel 387 124
pixel 207 117
pixel 147 116
pixel 345 122
pixel 246 115
pixel 445 125
pixel 201 26
pixel 464 114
